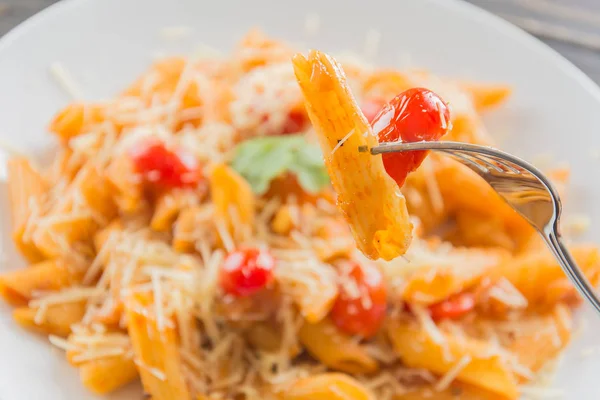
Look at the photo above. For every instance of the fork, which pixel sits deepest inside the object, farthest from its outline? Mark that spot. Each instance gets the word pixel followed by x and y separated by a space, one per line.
pixel 525 188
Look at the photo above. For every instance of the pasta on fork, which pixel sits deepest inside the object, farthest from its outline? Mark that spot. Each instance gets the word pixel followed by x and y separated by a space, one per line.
pixel 187 236
pixel 368 198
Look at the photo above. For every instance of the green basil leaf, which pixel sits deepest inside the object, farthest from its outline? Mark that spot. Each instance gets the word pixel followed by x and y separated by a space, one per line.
pixel 263 159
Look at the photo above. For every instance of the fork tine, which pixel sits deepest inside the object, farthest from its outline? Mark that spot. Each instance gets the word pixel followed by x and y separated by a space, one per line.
pixel 505 164
pixel 486 162
pixel 465 159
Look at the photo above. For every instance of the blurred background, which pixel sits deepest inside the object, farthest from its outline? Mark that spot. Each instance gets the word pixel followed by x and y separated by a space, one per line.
pixel 572 27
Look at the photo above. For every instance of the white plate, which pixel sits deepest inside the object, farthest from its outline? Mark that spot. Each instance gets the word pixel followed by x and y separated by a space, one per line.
pixel 106 43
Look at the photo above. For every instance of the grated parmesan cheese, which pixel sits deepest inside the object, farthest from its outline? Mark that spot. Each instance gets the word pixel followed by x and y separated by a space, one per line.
pixel 452 374
pixel 505 292
pixel 65 80
pixel 342 141
pixel 432 330
pixel 156 372
pixel 68 295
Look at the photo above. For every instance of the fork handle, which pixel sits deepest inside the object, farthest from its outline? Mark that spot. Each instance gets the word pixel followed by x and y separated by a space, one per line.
pixel 568 264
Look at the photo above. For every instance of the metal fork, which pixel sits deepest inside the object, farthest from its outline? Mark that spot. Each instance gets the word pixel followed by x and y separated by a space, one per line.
pixel 525 188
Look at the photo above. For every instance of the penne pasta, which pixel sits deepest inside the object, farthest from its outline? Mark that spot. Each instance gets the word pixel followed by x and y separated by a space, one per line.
pixel 77 215
pixel 468 127
pixel 477 197
pixel 542 338
pixel 256 50
pixel 385 84
pixel 530 271
pixel 368 198
pixel 106 375
pixel 334 349
pixel 233 200
pixel 57 318
pixel 156 352
pixel 456 391
pixel 17 287
pixel 267 336
pixel 129 195
pixel 418 349
pixel 76 119
pixel 168 206
pixel 26 191
pixel 328 386
pixel 103 235
pixel 192 227
pixel 474 230
pixel 486 96
pixel 166 82
pixel 443 275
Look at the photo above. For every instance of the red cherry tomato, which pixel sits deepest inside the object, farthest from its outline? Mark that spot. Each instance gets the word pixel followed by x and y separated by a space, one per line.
pixel 295 123
pixel 361 304
pixel 163 166
pixel 454 307
pixel 414 115
pixel 246 271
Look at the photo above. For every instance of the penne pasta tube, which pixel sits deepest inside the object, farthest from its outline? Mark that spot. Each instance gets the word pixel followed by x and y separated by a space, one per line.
pixel 18 286
pixel 105 375
pixel 453 392
pixel 168 207
pixel 542 338
pixel 335 349
pixel 486 95
pixel 417 348
pixel 233 200
pixel 368 198
pixel 532 271
pixel 76 119
pixel 26 191
pixel 328 386
pixel 56 319
pixel 156 351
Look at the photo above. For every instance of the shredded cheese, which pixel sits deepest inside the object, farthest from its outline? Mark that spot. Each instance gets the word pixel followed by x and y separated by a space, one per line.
pixel 65 80
pixel 156 372
pixel 432 330
pixel 342 141
pixel 69 295
pixel 452 373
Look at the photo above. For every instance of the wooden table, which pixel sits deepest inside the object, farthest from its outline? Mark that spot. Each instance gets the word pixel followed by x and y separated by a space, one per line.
pixel 561 13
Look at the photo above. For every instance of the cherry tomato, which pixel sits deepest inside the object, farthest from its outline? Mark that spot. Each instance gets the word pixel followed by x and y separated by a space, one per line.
pixel 360 310
pixel 295 123
pixel 247 271
pixel 163 166
pixel 414 115
pixel 454 307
